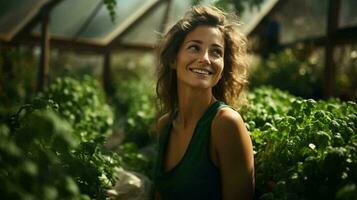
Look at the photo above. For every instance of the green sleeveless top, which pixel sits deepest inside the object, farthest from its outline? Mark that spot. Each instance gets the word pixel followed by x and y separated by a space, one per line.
pixel 195 176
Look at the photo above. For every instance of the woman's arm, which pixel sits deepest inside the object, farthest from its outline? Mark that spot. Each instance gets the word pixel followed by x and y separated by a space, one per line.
pixel 234 151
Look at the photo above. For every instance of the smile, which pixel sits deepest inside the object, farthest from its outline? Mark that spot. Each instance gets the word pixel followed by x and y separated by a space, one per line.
pixel 201 71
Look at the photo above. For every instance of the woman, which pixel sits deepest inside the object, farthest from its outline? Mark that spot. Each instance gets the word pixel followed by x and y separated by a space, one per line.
pixel 205 151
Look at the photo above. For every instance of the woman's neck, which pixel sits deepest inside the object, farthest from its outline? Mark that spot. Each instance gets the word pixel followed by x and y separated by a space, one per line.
pixel 191 106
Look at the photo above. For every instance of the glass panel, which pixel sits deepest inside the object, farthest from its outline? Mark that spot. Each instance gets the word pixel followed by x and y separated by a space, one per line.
pixel 250 17
pixel 301 19
pixel 178 10
pixel 142 34
pixel 14 14
pixel 348 13
pixel 147 30
pixel 102 25
pixel 69 16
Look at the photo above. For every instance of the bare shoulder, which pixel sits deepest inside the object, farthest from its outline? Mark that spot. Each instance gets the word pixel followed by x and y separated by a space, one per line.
pixel 227 118
pixel 229 130
pixel 234 153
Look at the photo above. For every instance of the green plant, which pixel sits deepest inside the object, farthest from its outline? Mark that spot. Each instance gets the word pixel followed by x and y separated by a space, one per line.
pixel 41 145
pixel 135 105
pixel 110 4
pixel 30 153
pixel 304 149
pixel 82 103
pixel 132 160
pixel 134 97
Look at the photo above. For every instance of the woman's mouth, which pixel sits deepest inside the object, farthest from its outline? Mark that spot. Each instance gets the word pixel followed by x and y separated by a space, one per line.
pixel 201 71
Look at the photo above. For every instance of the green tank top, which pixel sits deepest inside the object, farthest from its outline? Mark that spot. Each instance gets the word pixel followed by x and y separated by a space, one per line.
pixel 195 176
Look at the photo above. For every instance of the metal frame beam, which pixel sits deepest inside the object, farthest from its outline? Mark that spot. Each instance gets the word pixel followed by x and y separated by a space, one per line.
pixel 82 46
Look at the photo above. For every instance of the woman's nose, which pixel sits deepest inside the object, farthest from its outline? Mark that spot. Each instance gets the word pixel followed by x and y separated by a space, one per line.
pixel 204 58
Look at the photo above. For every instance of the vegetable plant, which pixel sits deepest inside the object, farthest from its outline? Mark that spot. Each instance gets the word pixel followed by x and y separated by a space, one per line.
pixel 304 149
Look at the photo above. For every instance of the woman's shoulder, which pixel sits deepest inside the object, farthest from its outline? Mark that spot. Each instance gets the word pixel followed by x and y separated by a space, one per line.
pixel 234 152
pixel 227 115
pixel 228 123
pixel 230 137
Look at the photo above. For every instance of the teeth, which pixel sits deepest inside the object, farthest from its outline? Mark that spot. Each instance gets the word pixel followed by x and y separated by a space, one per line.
pixel 201 71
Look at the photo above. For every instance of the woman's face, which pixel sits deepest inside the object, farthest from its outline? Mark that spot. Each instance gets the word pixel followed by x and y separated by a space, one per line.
pixel 200 60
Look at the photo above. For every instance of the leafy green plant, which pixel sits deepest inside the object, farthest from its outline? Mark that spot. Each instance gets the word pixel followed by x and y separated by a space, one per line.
pixel 82 103
pixel 135 105
pixel 304 149
pixel 41 146
pixel 134 97
pixel 30 149
pixel 110 4
pixel 132 160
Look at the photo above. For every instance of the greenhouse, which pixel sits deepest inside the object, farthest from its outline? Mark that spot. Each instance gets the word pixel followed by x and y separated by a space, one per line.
pixel 80 97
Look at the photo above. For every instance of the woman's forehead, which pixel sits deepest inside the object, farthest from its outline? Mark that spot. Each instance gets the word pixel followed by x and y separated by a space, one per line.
pixel 206 34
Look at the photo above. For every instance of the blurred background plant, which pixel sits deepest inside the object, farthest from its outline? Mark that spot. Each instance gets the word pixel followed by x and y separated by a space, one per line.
pixel 134 97
pixel 286 71
pixel 17 79
pixel 299 71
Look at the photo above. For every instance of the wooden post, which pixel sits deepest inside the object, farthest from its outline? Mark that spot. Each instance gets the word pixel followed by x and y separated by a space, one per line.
pixel 42 79
pixel 106 73
pixel 330 64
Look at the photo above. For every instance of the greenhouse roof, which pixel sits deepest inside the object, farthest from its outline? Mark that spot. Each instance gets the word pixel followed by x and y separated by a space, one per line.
pixel 87 24
pixel 301 20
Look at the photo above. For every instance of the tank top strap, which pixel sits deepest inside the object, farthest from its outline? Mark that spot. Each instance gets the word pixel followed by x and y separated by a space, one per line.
pixel 212 111
pixel 202 137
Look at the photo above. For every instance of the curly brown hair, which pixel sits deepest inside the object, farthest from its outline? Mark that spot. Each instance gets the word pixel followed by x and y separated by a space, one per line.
pixel 234 78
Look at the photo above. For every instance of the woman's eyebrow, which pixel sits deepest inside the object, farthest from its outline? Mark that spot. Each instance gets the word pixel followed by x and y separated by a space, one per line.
pixel 195 41
pixel 200 42
pixel 217 45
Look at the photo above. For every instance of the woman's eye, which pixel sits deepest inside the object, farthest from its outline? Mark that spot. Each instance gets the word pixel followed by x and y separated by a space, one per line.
pixel 217 52
pixel 194 48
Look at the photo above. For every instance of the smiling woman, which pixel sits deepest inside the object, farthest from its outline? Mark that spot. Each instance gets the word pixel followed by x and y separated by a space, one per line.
pixel 205 151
